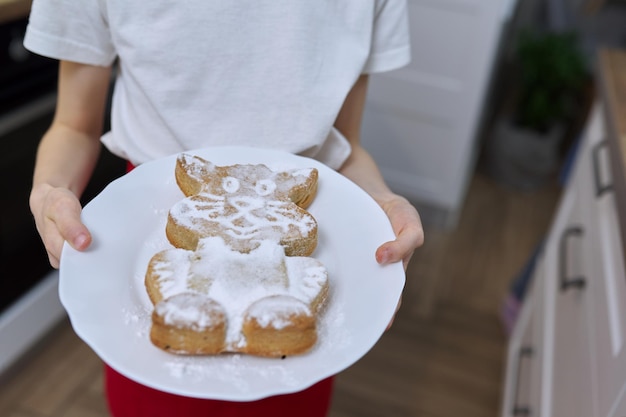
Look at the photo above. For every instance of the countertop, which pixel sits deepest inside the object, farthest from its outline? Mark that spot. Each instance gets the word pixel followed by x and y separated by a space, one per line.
pixel 13 9
pixel 612 83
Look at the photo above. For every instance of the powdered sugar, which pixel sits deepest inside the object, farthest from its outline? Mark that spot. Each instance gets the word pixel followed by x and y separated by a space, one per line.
pixel 274 311
pixel 230 369
pixel 189 310
pixel 237 280
pixel 242 216
pixel 215 180
pixel 139 319
pixel 241 202
pixel 361 296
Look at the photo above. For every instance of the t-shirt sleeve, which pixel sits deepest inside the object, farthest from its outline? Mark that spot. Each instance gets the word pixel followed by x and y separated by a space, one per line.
pixel 70 30
pixel 390 47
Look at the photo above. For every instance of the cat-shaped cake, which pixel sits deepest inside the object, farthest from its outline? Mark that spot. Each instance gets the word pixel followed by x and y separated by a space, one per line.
pixel 239 278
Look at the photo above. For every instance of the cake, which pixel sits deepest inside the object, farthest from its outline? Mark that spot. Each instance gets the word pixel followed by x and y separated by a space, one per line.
pixel 215 299
pixel 239 277
pixel 243 204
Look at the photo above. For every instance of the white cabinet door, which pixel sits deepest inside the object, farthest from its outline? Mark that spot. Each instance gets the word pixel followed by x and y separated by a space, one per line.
pixel 517 395
pixel 606 279
pixel 609 281
pixel 522 395
pixel 567 371
pixel 607 276
pixel 539 342
pixel 583 349
pixel 420 122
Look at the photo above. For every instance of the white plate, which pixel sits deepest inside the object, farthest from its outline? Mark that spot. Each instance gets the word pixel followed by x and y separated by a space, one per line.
pixel 103 292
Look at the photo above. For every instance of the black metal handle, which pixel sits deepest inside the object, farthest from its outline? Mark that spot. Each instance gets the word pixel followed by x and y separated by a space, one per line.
pixel 595 161
pixel 519 410
pixel 565 282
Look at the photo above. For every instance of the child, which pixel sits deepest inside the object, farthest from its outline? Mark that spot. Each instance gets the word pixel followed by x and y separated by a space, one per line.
pixel 281 74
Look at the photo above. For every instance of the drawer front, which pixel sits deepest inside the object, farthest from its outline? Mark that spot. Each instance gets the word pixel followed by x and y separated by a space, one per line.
pixel 567 374
pixel 606 278
pixel 522 395
pixel 538 341
pixel 608 284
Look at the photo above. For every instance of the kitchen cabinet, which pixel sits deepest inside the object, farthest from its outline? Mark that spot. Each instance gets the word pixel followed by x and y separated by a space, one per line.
pixel 608 280
pixel 525 356
pixel 567 307
pixel 421 122
pixel 578 290
pixel 559 300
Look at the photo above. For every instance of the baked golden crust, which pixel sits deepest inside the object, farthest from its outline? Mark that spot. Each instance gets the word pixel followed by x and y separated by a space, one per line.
pixel 189 324
pixel 195 174
pixel 279 326
pixel 271 302
pixel 243 204
pixel 239 278
pixel 194 218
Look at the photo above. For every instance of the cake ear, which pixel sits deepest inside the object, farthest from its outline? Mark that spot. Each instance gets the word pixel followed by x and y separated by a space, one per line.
pixel 302 176
pixel 192 172
pixel 304 186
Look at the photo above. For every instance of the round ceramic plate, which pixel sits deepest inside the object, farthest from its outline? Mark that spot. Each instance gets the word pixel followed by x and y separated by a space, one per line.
pixel 103 292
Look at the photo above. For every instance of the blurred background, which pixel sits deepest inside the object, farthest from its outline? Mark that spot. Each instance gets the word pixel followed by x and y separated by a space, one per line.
pixel 483 132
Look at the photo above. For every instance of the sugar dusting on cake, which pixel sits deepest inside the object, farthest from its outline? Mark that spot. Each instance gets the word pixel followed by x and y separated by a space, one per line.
pixel 275 311
pixel 234 369
pixel 245 202
pixel 242 216
pixel 237 281
pixel 190 310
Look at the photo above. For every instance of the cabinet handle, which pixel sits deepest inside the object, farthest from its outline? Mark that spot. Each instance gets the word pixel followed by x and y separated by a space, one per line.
pixel 518 410
pixel 595 160
pixel 566 283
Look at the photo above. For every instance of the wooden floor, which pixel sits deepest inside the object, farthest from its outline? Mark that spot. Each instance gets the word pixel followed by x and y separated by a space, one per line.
pixel 443 357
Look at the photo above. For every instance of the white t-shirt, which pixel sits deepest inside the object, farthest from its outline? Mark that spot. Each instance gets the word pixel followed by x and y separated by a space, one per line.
pixel 197 73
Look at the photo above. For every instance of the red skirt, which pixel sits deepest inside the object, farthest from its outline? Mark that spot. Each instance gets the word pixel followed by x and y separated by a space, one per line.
pixel 127 398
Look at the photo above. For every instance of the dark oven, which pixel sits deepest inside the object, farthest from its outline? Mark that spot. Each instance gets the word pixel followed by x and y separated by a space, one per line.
pixel 27 98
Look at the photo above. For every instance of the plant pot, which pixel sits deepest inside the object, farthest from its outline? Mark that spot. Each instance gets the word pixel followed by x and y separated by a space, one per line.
pixel 521 158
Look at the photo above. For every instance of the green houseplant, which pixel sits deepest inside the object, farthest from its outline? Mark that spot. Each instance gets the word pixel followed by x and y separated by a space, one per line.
pixel 552 75
pixel 549 83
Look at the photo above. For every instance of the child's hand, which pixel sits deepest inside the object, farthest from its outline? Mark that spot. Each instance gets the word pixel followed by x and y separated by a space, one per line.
pixel 57 217
pixel 407 226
